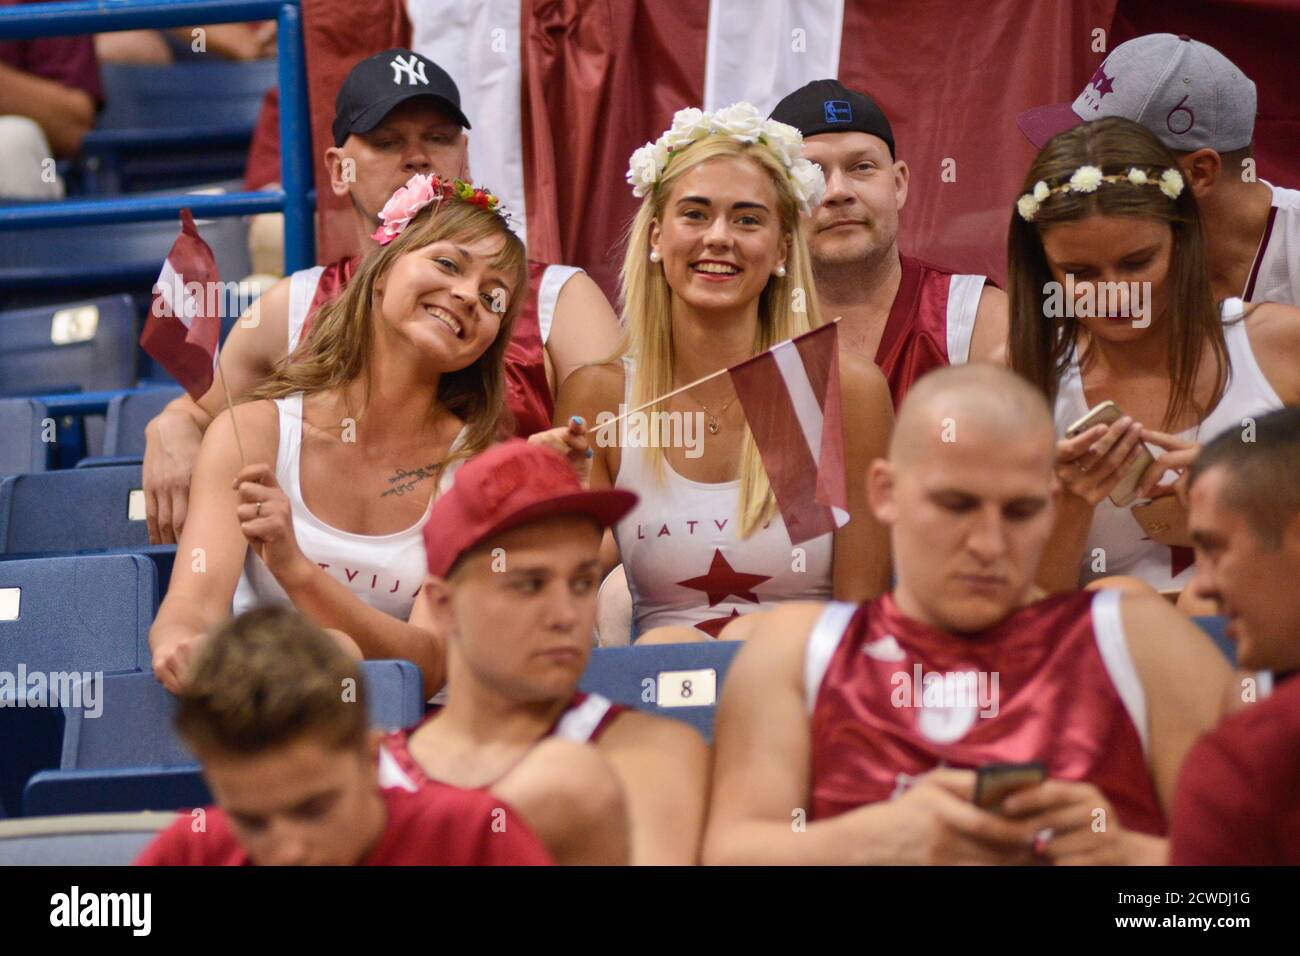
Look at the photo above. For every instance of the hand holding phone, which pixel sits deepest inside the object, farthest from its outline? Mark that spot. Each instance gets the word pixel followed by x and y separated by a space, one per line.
pixel 1108 464
pixel 994 782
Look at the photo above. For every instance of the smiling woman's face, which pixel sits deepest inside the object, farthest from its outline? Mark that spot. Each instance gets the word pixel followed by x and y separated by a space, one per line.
pixel 447 300
pixel 720 235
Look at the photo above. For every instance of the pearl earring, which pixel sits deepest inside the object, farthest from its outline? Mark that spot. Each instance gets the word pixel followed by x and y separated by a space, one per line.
pixel 780 271
pixel 654 255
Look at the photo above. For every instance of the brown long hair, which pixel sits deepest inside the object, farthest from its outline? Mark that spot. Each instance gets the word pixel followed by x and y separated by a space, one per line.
pixel 645 300
pixel 338 349
pixel 1040 348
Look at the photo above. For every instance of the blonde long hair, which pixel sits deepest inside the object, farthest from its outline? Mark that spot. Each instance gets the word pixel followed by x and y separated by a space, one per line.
pixel 645 301
pixel 338 349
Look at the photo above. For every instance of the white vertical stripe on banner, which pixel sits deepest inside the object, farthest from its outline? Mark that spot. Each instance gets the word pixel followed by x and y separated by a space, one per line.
pixel 806 407
pixel 169 283
pixel 760 50
pixel 479 45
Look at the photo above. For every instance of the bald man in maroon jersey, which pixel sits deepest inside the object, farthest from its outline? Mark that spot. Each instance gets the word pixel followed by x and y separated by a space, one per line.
pixel 853 733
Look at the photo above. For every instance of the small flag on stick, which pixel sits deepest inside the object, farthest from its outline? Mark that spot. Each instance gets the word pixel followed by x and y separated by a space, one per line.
pixel 179 334
pixel 791 398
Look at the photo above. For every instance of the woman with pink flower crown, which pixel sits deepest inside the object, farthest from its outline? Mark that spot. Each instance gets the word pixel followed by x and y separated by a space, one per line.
pixel 717 270
pixel 314 490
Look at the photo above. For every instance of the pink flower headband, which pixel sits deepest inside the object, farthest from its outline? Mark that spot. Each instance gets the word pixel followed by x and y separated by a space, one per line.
pixel 419 191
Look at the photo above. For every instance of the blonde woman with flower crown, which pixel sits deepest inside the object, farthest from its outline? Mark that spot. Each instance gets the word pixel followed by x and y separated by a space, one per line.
pixel 1105 203
pixel 319 498
pixel 717 271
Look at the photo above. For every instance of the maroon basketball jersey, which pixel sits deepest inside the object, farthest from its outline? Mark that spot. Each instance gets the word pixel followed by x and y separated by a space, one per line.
pixel 529 393
pixel 586 718
pixel 891 699
pixel 929 324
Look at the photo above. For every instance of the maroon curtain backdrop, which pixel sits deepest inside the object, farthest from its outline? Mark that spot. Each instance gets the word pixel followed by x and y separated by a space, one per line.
pixel 600 78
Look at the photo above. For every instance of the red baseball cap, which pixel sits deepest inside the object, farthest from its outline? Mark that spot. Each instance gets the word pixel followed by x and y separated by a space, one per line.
pixel 509 485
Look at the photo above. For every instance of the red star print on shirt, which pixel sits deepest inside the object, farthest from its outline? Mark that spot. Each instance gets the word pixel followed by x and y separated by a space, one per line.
pixel 713 627
pixel 723 580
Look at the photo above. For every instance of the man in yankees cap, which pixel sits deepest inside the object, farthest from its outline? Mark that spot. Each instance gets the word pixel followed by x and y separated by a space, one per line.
pixel 1202 106
pixel 907 315
pixel 397 114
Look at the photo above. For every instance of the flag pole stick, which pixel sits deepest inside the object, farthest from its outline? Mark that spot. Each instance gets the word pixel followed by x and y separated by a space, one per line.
pixel 676 391
pixel 221 373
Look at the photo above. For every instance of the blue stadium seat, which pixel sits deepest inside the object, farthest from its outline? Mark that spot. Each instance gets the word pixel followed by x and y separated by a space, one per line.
pixel 182 123
pixel 112 258
pixel 98 840
pixel 1213 626
pixel 119 790
pixel 129 724
pixel 71 346
pixel 129 414
pixel 60 616
pixel 83 613
pixel 654 678
pixel 21 448
pixel 83 509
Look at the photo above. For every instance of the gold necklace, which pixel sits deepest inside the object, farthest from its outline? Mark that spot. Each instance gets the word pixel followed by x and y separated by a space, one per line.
pixel 713 423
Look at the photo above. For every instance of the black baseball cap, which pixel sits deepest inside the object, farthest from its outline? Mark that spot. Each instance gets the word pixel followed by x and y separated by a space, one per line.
pixel 828 106
pixel 379 83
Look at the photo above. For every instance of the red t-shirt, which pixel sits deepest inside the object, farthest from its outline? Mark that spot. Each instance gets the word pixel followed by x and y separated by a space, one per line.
pixel 67 60
pixel 1238 798
pixel 439 826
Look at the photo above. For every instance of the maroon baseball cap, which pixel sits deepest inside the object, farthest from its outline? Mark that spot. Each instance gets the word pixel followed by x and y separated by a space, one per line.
pixel 509 485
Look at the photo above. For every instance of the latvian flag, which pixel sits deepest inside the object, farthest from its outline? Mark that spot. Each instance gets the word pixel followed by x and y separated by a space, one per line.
pixel 791 398
pixel 179 334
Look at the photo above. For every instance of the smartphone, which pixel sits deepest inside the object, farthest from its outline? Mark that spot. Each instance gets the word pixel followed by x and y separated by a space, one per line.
pixel 994 782
pixel 1124 493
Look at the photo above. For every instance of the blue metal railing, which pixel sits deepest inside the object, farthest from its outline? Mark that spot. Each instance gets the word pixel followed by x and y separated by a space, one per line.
pixel 294 198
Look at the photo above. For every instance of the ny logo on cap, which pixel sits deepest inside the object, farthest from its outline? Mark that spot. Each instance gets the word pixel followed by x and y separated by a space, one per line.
pixel 412 67
pixel 838 111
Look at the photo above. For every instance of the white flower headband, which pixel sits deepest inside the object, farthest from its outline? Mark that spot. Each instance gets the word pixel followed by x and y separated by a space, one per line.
pixel 1087 179
pixel 741 121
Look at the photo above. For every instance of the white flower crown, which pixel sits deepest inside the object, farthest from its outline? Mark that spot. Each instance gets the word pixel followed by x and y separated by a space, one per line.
pixel 741 121
pixel 1087 179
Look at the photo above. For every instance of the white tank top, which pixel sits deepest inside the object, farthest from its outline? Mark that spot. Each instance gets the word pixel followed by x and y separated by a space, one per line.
pixel 685 561
pixel 302 289
pixel 1275 274
pixel 384 571
pixel 1123 544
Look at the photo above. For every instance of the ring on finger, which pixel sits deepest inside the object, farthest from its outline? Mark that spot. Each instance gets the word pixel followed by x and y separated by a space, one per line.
pixel 258 512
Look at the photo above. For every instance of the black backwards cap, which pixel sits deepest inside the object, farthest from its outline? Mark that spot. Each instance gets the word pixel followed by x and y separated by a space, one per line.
pixel 828 106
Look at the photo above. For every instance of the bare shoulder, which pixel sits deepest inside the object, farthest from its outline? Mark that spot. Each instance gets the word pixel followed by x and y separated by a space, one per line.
pixel 992 320
pixel 259 430
pixel 599 386
pixel 267 318
pixel 861 379
pixel 580 292
pixel 779 641
pixel 1274 332
pixel 651 730
pixel 1163 641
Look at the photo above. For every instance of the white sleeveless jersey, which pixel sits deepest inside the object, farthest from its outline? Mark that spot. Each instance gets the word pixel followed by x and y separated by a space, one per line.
pixel 302 289
pixel 1124 548
pixel 1275 273
pixel 685 561
pixel 384 571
